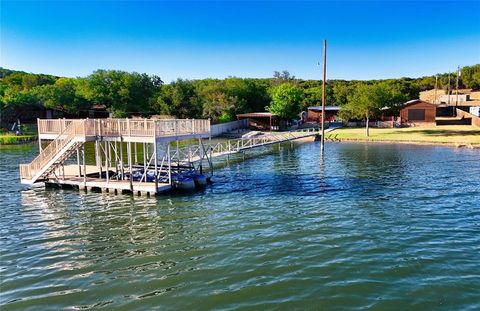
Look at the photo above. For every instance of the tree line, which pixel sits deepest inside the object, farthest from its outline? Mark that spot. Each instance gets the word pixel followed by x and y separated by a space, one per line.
pixel 126 94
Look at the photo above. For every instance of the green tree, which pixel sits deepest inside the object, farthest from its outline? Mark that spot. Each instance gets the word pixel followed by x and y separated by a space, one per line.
pixel 426 83
pixel 341 91
pixel 286 101
pixel 14 104
pixel 365 103
pixel 470 77
pixel 221 100
pixel 20 81
pixel 179 99
pixel 251 94
pixel 61 96
pixel 123 93
pixel 397 93
pixel 313 96
pixel 282 77
pixel 217 104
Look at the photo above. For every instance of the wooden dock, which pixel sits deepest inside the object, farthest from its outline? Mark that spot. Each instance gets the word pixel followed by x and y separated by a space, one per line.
pixel 71 178
pixel 132 155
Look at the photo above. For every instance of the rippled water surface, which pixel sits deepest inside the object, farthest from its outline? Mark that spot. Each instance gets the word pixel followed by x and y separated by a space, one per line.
pixel 373 226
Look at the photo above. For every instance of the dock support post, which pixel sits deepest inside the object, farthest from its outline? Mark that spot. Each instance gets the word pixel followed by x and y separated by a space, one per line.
pixel 98 158
pixel 84 167
pixel 135 146
pixel 201 155
pixel 209 158
pixel 122 171
pixel 144 156
pixel 178 156
pixel 39 139
pixel 107 160
pixel 129 152
pixel 155 163
pixel 116 157
pixel 169 165
pixel 78 163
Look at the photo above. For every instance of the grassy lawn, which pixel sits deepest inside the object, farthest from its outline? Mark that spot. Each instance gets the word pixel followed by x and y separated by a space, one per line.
pixel 9 139
pixel 455 135
pixel 29 133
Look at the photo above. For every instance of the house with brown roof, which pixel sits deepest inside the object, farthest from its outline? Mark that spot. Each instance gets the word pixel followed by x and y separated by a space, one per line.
pixel 418 112
pixel 263 121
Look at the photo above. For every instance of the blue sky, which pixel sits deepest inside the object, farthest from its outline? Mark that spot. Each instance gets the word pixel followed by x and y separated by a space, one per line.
pixel 200 39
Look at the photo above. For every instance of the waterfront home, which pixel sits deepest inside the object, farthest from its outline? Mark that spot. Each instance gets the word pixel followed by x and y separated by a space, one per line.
pixel 263 121
pixel 314 113
pixel 418 112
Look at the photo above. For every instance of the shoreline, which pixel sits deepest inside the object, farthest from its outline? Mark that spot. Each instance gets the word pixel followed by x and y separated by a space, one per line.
pixel 8 141
pixel 406 142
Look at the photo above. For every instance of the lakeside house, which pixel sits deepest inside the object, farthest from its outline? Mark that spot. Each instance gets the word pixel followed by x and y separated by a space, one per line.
pixel 467 100
pixel 314 114
pixel 263 121
pixel 418 112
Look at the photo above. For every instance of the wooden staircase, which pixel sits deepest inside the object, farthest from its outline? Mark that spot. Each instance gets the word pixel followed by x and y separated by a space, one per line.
pixel 55 154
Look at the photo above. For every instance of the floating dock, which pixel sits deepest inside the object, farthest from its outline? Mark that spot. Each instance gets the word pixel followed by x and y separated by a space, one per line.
pixel 139 156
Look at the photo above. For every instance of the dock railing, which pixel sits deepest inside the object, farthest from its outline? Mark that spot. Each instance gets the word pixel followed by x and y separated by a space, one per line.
pixel 129 127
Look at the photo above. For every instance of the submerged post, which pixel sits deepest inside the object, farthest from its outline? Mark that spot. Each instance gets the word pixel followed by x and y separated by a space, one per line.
pixel 323 93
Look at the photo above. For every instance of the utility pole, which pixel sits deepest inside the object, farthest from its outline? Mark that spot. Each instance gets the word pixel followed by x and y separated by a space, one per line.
pixel 448 90
pixel 323 93
pixel 435 96
pixel 456 90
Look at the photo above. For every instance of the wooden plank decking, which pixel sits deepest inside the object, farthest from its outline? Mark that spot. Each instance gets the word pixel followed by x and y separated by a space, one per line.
pixel 70 176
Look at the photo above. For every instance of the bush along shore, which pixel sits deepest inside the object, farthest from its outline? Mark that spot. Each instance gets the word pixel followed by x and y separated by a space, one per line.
pixel 12 139
pixel 23 134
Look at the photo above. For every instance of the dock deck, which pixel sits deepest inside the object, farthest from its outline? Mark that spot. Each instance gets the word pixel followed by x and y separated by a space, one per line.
pixel 134 130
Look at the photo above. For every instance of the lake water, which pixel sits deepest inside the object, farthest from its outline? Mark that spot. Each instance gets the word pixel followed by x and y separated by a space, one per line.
pixel 373 226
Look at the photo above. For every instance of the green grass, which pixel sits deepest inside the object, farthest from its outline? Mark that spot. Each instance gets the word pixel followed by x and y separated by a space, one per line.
pixel 454 135
pixel 9 139
pixel 29 133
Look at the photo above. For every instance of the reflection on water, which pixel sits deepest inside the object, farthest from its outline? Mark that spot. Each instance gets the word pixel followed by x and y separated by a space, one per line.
pixel 379 226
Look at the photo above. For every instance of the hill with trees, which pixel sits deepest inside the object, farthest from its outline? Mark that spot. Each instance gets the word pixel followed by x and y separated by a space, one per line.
pixel 125 94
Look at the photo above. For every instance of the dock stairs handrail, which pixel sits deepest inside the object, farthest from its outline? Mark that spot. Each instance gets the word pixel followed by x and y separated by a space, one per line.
pixel 48 156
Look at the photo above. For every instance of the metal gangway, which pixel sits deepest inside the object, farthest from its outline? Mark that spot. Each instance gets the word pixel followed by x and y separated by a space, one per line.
pixel 206 150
